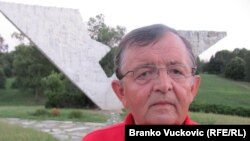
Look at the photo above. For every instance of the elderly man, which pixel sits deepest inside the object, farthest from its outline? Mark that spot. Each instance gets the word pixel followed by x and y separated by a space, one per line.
pixel 155 68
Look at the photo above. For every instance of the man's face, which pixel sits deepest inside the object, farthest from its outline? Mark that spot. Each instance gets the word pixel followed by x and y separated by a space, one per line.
pixel 162 100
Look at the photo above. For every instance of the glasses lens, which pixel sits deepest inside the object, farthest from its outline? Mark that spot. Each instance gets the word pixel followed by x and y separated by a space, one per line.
pixel 178 71
pixel 144 74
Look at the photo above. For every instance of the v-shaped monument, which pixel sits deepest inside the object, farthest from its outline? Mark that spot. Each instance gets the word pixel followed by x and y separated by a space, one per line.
pixel 60 34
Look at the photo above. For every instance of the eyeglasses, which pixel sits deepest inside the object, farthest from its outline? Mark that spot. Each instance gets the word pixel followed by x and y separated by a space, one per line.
pixel 144 74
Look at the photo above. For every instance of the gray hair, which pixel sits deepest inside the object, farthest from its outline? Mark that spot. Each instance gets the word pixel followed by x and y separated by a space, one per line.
pixel 144 36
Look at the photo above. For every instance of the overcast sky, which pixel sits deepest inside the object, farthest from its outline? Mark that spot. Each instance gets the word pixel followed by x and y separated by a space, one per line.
pixel 232 16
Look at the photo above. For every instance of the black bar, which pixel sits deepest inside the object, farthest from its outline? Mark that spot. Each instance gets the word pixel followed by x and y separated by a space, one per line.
pixel 194 132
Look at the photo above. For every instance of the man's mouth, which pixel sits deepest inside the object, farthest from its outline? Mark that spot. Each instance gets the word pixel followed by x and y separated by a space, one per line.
pixel 161 103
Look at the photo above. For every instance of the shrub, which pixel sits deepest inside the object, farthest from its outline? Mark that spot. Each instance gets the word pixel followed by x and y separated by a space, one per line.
pixel 62 93
pixel 220 109
pixel 75 114
pixel 40 112
pixel 55 112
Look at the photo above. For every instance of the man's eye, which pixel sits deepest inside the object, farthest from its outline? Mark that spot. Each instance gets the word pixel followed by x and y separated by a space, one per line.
pixel 144 74
pixel 176 71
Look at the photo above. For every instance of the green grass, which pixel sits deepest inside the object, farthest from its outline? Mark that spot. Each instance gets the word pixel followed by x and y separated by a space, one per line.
pixel 10 132
pixel 17 97
pixel 218 90
pixel 27 112
pixel 210 118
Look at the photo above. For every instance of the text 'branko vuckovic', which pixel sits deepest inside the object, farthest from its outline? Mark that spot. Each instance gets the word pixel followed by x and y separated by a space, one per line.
pixel 166 132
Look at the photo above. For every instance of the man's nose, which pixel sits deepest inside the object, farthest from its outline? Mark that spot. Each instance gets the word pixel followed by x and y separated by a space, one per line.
pixel 163 82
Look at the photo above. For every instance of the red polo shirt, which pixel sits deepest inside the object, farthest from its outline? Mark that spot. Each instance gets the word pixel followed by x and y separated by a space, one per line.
pixel 116 132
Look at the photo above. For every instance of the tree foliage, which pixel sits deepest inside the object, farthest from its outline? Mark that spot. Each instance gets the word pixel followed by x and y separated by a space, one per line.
pixel 2 78
pixel 107 35
pixel 200 66
pixel 218 62
pixel 6 62
pixel 30 66
pixel 242 53
pixel 23 40
pixel 3 47
pixel 19 36
pixel 223 57
pixel 247 60
pixel 214 66
pixel 103 33
pixel 235 69
pixel 62 93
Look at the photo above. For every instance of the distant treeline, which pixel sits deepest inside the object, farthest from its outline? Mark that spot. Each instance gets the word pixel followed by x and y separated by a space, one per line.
pixel 230 64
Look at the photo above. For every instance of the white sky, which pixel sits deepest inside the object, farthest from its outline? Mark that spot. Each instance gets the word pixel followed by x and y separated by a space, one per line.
pixel 232 16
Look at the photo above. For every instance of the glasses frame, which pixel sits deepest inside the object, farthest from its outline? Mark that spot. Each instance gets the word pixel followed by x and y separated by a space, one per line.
pixel 193 71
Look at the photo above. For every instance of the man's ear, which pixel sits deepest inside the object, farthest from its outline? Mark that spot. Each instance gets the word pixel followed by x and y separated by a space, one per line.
pixel 195 86
pixel 119 91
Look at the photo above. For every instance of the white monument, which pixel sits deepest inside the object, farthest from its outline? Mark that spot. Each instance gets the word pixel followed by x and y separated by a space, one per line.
pixel 60 34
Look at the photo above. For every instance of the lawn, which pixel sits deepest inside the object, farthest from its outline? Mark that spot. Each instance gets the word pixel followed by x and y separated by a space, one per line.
pixel 218 90
pixel 16 97
pixel 9 132
pixel 28 112
pixel 210 118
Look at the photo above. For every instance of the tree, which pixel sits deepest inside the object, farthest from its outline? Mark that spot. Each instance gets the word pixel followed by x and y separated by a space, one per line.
pixel 242 53
pixel 222 58
pixel 94 25
pixel 218 62
pixel 2 79
pixel 30 66
pixel 201 66
pixel 21 38
pixel 6 62
pixel 213 66
pixel 247 60
pixel 61 93
pixel 3 47
pixel 235 69
pixel 107 35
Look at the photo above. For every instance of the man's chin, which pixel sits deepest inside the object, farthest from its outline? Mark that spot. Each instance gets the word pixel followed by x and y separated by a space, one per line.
pixel 163 119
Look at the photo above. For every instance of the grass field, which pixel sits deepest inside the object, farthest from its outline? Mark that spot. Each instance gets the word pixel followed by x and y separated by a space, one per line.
pixel 210 118
pixel 27 112
pixel 10 132
pixel 17 97
pixel 218 90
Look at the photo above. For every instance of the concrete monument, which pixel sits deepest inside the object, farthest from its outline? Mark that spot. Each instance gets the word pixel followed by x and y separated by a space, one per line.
pixel 60 34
